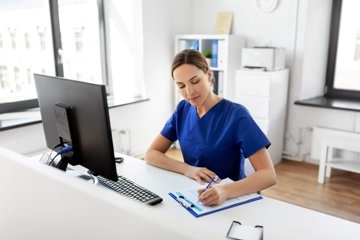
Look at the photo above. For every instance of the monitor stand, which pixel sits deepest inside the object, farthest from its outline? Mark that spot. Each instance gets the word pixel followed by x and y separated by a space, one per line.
pixel 63 164
pixel 89 178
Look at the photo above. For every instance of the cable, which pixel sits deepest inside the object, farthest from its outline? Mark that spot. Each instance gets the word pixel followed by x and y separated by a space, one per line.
pixel 49 155
pixel 65 149
pixel 43 156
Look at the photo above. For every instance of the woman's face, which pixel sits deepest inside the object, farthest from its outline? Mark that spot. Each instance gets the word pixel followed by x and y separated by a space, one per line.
pixel 193 84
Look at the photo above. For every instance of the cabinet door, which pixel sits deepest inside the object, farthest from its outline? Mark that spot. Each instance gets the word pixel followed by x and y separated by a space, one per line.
pixel 263 107
pixel 251 84
pixel 259 107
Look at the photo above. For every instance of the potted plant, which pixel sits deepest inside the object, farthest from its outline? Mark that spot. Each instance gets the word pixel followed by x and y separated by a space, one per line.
pixel 208 55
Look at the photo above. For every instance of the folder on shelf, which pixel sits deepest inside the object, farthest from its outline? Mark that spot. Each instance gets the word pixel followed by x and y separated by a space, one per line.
pixel 188 198
pixel 214 56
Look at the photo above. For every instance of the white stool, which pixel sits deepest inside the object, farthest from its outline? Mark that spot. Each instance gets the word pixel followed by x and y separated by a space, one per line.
pixel 328 161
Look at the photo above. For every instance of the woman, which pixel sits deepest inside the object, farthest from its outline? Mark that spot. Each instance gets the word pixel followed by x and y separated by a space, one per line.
pixel 215 136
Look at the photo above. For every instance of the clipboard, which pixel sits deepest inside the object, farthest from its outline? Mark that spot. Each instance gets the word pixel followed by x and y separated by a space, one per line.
pixel 239 232
pixel 187 198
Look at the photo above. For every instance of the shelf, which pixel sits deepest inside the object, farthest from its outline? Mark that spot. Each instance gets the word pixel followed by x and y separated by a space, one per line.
pixel 348 142
pixel 226 57
pixel 345 165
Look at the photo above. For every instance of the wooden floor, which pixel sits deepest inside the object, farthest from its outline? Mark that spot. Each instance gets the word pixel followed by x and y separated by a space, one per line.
pixel 297 184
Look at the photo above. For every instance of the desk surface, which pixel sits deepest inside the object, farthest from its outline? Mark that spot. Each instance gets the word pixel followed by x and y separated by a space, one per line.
pixel 280 220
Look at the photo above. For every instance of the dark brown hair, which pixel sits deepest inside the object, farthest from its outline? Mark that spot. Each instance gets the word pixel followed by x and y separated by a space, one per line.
pixel 189 56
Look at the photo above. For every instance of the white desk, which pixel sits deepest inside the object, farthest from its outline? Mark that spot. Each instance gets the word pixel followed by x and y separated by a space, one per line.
pixel 30 204
pixel 280 220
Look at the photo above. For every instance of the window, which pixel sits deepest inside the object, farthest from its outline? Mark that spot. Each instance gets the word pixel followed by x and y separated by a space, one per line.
pixel 125 49
pixel 343 71
pixel 41 30
pixel 12 32
pixel 20 20
pixel 89 40
pixel 27 40
pixel 4 83
pixel 80 40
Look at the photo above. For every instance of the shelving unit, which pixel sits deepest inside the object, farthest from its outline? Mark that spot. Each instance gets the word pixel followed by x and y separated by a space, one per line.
pixel 264 94
pixel 227 57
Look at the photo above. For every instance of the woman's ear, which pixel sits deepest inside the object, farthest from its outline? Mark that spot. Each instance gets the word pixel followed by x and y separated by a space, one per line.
pixel 210 75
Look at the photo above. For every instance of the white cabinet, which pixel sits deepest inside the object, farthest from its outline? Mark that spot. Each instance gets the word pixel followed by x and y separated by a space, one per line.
pixel 264 94
pixel 226 57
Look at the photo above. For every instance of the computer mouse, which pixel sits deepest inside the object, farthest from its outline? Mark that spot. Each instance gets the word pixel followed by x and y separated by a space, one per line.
pixel 119 159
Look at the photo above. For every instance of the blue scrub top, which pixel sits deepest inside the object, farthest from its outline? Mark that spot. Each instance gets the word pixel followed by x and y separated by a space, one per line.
pixel 220 140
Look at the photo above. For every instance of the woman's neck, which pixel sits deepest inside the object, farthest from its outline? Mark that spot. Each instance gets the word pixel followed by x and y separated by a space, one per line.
pixel 210 102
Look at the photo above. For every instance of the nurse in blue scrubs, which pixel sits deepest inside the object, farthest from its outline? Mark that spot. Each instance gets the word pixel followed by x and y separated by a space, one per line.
pixel 215 136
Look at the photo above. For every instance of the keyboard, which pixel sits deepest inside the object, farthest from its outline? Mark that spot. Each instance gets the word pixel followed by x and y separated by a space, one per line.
pixel 128 188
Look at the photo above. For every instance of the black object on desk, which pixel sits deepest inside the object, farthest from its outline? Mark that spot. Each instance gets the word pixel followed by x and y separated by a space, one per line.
pixel 119 159
pixel 128 188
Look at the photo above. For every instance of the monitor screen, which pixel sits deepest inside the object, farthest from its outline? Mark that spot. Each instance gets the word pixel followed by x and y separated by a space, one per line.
pixel 76 113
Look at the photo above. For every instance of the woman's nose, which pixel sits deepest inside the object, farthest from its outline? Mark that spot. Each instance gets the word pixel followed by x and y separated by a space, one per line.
pixel 189 89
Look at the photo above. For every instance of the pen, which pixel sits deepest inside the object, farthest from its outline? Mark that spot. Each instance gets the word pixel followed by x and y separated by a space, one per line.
pixel 209 184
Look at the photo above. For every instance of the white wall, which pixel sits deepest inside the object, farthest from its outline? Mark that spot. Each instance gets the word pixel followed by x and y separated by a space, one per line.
pixel 28 140
pixel 300 26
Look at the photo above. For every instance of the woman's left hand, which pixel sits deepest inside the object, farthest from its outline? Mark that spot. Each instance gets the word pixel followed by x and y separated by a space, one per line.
pixel 200 174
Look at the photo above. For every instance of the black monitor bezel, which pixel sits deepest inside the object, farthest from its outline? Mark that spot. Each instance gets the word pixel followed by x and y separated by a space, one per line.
pixel 92 143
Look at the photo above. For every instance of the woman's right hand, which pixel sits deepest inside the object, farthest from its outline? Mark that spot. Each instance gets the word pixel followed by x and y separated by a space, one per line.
pixel 200 174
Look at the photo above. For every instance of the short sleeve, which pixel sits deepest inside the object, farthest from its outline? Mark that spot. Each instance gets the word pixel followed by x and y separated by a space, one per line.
pixel 251 137
pixel 169 130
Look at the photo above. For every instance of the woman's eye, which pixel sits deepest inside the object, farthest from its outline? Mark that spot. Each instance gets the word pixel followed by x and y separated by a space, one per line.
pixel 181 86
pixel 195 81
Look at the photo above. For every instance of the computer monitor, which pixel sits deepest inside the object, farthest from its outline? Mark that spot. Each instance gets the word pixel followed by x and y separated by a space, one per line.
pixel 76 113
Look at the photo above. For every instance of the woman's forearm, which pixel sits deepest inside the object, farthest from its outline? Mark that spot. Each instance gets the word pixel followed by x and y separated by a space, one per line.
pixel 161 160
pixel 254 183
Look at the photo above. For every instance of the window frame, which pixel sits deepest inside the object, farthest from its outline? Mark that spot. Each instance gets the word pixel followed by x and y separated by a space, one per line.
pixel 22 105
pixel 330 91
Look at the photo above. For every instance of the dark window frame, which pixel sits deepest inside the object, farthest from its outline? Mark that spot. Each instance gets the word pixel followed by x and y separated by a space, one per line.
pixel 330 91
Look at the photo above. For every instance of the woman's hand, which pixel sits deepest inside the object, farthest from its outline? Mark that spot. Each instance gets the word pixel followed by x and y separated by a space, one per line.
pixel 200 174
pixel 212 196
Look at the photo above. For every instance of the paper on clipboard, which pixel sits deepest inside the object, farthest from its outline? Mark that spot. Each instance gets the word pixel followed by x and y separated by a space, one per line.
pixel 188 198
